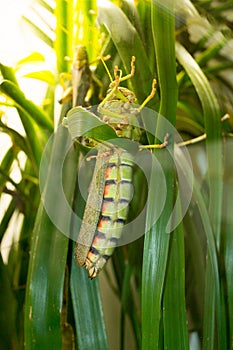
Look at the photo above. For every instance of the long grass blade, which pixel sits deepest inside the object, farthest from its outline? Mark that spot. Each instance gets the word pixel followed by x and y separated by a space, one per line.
pixel 88 313
pixel 212 120
pixel 156 240
pixel 175 322
pixel 33 111
pixel 227 238
pixel 8 338
pixel 49 251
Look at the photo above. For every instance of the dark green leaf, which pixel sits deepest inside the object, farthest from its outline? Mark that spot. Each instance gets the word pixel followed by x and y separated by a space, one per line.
pixel 88 311
pixel 8 339
pixel 174 308
pixel 156 238
pixel 81 122
pixel 49 248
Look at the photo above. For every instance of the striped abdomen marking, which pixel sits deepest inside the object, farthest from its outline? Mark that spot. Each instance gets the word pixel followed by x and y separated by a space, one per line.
pixel 114 211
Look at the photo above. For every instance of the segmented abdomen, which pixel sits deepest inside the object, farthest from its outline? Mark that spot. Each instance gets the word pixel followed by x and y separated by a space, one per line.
pixel 115 205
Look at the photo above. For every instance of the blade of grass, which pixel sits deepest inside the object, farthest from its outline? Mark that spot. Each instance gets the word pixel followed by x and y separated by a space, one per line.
pixel 18 141
pixel 212 303
pixel 87 33
pixel 43 75
pixel 38 32
pixel 227 241
pixel 32 57
pixel 131 11
pixel 174 308
pixel 49 253
pixel 128 43
pixel 32 111
pixel 27 111
pixel 64 32
pixel 44 285
pixel 129 306
pixel 6 164
pixel 88 311
pixel 156 239
pixel 6 218
pixel 8 338
pixel 212 120
pixel 212 284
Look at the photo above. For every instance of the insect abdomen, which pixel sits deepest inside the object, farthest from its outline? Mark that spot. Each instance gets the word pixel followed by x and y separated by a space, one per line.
pixel 114 211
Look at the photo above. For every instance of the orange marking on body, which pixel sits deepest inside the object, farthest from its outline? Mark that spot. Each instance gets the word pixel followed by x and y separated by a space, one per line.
pixel 100 224
pixel 108 172
pixel 106 189
pixel 95 241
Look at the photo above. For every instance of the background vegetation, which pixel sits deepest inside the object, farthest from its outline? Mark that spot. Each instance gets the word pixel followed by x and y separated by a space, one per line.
pixel 171 289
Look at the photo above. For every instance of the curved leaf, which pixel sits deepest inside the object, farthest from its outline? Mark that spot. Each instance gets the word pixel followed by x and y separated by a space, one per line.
pixel 81 122
pixel 34 112
pixel 32 57
pixel 17 140
pixel 43 75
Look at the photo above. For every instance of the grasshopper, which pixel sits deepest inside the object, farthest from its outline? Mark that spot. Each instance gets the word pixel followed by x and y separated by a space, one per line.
pixel 111 188
pixel 81 78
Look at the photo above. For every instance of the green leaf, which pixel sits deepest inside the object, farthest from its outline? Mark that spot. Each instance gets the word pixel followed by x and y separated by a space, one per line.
pixel 8 73
pixel 6 218
pixel 64 33
pixel 17 140
pixel 34 112
pixel 39 32
pixel 88 313
pixel 212 120
pixel 47 266
pixel 6 164
pixel 128 43
pixel 8 338
pixel 86 12
pixel 49 248
pixel 43 75
pixel 156 239
pixel 128 303
pixel 174 307
pixel 81 122
pixel 227 237
pixel 31 58
pixel 27 111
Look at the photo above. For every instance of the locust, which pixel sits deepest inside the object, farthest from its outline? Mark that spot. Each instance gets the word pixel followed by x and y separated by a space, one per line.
pixel 111 189
pixel 81 77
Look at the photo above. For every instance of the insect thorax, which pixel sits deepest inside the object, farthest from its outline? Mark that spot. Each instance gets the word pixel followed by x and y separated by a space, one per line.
pixel 80 57
pixel 120 111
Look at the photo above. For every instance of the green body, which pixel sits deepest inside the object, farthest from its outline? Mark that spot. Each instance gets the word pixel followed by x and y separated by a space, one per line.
pixel 114 194
pixel 111 188
pixel 110 191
